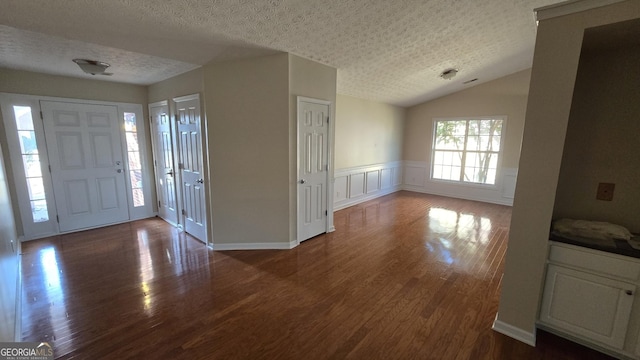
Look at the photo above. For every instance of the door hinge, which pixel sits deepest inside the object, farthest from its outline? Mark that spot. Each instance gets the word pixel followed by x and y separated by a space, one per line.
pixel 150 119
pixel 327 119
pixel 326 213
pixel 41 117
pixel 49 166
pixel 57 218
pixel 326 167
pixel 184 212
pixel 159 204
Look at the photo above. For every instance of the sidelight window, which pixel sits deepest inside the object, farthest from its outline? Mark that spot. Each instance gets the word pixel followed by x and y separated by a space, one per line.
pixel 133 157
pixel 31 162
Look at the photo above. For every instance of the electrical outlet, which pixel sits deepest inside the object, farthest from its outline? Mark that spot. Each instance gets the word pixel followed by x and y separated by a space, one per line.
pixel 605 191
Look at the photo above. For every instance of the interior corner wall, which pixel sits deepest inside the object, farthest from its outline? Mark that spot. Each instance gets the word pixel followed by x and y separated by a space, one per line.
pixel 314 80
pixel 555 63
pixel 367 132
pixel 504 96
pixel 30 83
pixel 184 84
pixel 247 110
pixel 9 264
pixel 602 140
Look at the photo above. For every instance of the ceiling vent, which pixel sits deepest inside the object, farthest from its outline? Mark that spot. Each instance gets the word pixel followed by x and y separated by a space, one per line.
pixel 93 67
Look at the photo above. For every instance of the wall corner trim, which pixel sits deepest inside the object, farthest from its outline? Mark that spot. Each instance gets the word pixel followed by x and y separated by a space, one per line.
pixel 516 333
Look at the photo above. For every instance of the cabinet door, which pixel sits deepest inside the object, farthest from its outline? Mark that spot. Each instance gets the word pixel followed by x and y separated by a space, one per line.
pixel 586 305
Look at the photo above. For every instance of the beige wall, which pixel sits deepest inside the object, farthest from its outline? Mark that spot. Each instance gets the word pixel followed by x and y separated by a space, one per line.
pixel 602 141
pixel 367 132
pixel 184 84
pixel 247 109
pixel 30 83
pixel 553 76
pixel 314 80
pixel 8 263
pixel 504 96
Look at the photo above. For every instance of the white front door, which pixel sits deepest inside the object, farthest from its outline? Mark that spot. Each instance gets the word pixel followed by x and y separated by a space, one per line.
pixel 191 169
pixel 164 166
pixel 313 133
pixel 87 167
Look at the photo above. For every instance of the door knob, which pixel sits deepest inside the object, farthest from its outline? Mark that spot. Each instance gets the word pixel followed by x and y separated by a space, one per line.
pixel 170 172
pixel 302 181
pixel 200 181
pixel 629 292
pixel 119 171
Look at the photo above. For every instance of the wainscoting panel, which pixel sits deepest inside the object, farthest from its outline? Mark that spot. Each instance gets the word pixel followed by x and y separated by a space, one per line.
pixel 358 184
pixel 417 179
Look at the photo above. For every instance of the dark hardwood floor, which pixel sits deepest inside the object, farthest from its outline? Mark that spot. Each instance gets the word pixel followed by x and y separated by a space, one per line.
pixel 406 276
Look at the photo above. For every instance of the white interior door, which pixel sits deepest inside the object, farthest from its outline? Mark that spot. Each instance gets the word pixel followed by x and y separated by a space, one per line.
pixel 87 169
pixel 313 133
pixel 164 166
pixel 191 169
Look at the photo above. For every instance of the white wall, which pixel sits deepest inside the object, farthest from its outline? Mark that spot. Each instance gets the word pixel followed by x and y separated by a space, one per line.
pixel 9 264
pixel 247 110
pixel 368 150
pixel 602 140
pixel 553 76
pixel 506 96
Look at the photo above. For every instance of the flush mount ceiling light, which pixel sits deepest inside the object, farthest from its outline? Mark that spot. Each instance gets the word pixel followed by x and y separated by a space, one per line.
pixel 449 74
pixel 93 67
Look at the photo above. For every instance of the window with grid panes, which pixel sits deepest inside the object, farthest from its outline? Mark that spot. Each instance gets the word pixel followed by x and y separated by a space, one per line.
pixel 467 150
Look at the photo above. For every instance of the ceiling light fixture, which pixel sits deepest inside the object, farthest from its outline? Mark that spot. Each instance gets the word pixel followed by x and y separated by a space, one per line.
pixel 93 67
pixel 448 74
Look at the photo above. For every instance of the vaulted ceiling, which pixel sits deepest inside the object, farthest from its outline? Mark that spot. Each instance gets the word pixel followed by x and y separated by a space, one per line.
pixel 388 51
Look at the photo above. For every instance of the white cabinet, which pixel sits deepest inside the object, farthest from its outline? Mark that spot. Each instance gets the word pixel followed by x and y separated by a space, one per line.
pixel 595 307
pixel 590 296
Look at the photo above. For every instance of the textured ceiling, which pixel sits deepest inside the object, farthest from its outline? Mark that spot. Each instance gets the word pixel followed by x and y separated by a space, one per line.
pixel 389 51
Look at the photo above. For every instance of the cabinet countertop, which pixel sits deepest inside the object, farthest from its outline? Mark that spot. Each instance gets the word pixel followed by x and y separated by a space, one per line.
pixel 621 247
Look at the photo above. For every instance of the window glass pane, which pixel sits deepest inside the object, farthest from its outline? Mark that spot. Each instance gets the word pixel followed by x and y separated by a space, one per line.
pixel 39 211
pixel 36 188
pixel 138 198
pixel 130 122
pixel 28 142
pixel 477 141
pixel 31 165
pixel 134 161
pixel 136 179
pixel 23 117
pixel 132 141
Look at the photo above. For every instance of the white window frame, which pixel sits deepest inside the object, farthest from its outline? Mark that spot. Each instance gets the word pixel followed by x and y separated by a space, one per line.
pixel 32 230
pixel 432 149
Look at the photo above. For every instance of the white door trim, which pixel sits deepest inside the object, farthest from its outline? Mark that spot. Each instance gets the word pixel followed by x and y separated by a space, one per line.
pixel 330 145
pixel 28 230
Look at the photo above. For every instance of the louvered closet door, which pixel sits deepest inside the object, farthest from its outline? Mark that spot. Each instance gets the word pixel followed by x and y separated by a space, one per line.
pixel 87 167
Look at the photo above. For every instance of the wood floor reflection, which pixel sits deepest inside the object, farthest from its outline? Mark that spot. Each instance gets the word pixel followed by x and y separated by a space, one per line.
pixel 406 276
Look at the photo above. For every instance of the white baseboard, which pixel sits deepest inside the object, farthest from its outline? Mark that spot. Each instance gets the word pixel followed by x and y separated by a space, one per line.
pixel 511 331
pixel 254 246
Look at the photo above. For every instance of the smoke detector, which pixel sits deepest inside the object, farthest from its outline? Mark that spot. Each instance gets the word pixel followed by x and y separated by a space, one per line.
pixel 93 67
pixel 448 74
